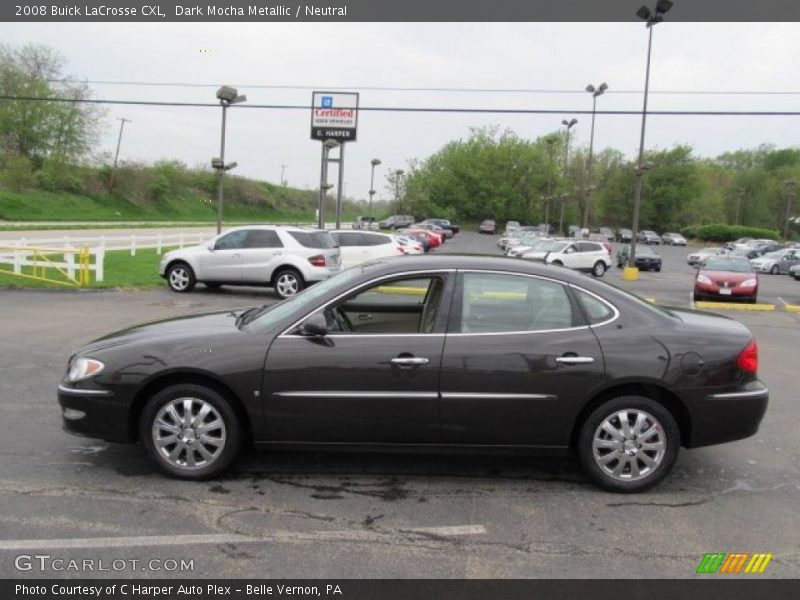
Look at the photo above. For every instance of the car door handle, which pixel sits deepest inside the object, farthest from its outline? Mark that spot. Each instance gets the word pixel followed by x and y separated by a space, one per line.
pixel 409 361
pixel 574 360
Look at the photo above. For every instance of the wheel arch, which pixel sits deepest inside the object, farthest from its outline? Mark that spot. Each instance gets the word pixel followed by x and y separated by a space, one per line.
pixel 166 380
pixel 655 392
pixel 283 267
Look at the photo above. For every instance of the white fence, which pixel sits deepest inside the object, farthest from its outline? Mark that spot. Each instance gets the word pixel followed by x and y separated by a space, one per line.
pixel 131 242
pixel 74 269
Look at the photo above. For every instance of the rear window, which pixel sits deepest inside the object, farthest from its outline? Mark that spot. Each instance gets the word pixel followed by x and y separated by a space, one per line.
pixel 313 239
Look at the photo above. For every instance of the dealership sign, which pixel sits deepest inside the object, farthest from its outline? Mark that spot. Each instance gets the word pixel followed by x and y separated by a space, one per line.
pixel 334 116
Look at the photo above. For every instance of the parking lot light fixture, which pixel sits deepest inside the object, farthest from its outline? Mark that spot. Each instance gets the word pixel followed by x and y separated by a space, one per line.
pixel 374 162
pixel 595 92
pixel 226 95
pixel 651 18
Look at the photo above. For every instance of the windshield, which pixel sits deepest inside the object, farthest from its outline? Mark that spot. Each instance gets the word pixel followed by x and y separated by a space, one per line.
pixel 267 316
pixel 723 264
pixel 776 254
pixel 644 250
pixel 551 246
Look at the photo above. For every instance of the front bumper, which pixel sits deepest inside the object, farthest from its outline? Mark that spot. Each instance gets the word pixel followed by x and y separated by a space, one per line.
pixel 725 416
pixel 713 291
pixel 94 413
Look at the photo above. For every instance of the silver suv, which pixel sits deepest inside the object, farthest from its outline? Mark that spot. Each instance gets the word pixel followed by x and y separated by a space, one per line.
pixel 286 258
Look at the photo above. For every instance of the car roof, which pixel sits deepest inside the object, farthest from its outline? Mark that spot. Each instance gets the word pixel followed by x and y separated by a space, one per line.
pixel 270 226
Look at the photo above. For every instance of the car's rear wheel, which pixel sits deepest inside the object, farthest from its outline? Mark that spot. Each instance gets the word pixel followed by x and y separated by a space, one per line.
pixel 773 270
pixel 599 269
pixel 190 431
pixel 181 278
pixel 628 444
pixel 287 283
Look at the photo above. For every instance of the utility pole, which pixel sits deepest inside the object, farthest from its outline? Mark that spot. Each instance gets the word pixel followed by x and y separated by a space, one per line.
pixel 122 121
pixel 284 183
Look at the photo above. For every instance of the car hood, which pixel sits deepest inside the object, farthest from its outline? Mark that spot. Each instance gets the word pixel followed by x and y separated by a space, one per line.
pixel 173 331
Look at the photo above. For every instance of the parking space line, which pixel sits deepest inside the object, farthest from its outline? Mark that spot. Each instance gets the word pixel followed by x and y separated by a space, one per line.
pixel 731 306
pixel 232 538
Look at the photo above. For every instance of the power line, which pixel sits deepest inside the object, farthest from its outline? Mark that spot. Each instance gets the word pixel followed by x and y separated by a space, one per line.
pixel 424 109
pixel 426 89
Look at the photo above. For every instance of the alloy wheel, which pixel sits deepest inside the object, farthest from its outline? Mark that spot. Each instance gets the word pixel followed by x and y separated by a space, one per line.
pixel 287 285
pixel 189 433
pixel 179 278
pixel 629 445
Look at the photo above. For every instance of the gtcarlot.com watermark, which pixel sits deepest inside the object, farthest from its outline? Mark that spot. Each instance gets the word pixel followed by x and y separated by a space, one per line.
pixel 58 564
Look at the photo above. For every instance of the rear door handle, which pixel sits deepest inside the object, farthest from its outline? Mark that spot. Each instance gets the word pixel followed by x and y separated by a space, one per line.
pixel 574 360
pixel 410 361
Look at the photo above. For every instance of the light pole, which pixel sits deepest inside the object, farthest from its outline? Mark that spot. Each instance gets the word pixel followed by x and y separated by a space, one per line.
pixel 652 18
pixel 569 125
pixel 122 122
pixel 226 96
pixel 564 198
pixel 595 92
pixel 374 162
pixel 397 175
pixel 551 141
pixel 284 181
pixel 790 187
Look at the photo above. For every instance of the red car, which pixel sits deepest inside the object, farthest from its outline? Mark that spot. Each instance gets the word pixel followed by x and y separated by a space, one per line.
pixel 726 278
pixel 434 239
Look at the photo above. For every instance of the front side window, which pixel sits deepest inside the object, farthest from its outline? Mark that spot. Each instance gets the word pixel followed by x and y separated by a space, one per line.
pixel 231 241
pixel 389 307
pixel 497 303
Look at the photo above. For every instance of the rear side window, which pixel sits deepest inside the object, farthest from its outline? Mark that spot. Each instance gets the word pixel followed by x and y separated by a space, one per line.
pixel 596 310
pixel 263 238
pixel 313 239
pixel 349 238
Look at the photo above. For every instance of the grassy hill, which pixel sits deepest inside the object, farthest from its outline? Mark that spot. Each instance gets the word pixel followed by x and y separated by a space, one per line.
pixel 165 191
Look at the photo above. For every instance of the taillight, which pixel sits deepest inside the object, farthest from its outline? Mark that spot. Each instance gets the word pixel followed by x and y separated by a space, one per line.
pixel 318 260
pixel 748 358
pixel 400 250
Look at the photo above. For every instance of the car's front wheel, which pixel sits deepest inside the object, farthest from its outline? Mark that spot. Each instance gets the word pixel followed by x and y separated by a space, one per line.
pixel 190 431
pixel 181 278
pixel 599 269
pixel 287 283
pixel 773 270
pixel 628 444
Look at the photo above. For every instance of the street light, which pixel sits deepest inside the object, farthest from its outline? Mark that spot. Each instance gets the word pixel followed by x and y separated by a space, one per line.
pixel 595 92
pixel 790 187
pixel 374 162
pixel 226 96
pixel 569 125
pixel 652 18
pixel 397 175
pixel 550 147
pixel 564 198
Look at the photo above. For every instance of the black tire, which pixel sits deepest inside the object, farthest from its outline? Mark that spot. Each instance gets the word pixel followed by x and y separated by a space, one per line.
pixel 287 282
pixel 201 396
pixel 667 432
pixel 599 269
pixel 658 269
pixel 557 263
pixel 697 298
pixel 181 278
pixel 773 270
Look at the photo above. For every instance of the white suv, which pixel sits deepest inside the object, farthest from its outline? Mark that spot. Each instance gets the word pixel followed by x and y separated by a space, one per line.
pixel 282 257
pixel 580 255
pixel 359 246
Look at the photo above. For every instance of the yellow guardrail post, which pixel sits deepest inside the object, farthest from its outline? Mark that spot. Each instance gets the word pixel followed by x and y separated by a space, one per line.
pixel 84 260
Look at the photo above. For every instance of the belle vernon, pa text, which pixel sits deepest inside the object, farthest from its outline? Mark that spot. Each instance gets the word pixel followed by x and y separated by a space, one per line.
pixel 262 10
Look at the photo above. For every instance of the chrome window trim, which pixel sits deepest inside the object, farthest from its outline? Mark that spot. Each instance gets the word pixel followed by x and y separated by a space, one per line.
pixel 285 334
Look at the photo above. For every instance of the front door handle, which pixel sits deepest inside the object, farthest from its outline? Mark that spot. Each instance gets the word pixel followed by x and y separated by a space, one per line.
pixel 410 361
pixel 574 360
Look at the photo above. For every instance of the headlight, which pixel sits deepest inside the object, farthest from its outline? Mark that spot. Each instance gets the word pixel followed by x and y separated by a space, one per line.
pixel 83 368
pixel 703 279
pixel 748 283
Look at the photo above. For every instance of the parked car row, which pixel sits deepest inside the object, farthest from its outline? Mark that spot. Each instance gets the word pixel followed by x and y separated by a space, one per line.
pixel 287 258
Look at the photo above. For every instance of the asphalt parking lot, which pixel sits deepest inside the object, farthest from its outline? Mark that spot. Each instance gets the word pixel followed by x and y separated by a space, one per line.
pixel 329 515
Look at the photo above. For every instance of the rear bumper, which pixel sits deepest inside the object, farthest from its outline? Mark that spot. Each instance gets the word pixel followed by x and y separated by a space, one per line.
pixel 726 416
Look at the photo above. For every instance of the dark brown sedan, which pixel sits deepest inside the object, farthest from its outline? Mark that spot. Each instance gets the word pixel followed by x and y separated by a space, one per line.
pixel 428 352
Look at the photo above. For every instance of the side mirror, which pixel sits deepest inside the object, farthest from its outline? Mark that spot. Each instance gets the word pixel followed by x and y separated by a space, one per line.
pixel 315 326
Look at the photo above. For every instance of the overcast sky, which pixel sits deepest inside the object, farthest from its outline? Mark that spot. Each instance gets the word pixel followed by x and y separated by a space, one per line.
pixel 550 56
